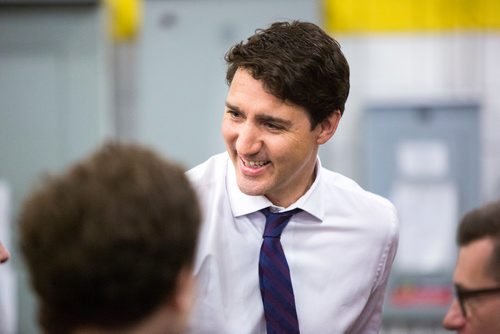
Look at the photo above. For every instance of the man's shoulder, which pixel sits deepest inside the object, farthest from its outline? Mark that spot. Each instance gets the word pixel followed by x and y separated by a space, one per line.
pixel 351 192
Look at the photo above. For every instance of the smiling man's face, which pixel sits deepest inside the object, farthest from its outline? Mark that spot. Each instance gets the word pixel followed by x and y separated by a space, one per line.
pixel 270 142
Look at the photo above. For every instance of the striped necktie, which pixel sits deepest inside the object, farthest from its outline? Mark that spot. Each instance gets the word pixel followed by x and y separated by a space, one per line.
pixel 274 276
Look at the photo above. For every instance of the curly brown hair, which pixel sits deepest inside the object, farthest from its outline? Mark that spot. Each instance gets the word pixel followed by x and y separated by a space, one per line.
pixel 105 240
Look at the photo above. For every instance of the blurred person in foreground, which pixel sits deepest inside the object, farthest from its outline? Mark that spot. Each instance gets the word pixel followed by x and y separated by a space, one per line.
pixel 4 253
pixel 109 244
pixel 287 246
pixel 476 308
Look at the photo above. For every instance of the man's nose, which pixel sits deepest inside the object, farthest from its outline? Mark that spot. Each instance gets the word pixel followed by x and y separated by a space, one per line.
pixel 248 141
pixel 454 319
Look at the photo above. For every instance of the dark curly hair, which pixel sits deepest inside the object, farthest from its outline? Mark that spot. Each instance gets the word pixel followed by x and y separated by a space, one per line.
pixel 297 62
pixel 105 241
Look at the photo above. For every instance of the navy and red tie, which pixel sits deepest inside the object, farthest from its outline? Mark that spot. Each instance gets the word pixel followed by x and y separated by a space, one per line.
pixel 274 276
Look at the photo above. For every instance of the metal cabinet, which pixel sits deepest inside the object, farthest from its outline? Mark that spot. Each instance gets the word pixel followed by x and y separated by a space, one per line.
pixel 425 158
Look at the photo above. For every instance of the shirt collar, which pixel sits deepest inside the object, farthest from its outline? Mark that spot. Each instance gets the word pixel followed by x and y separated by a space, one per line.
pixel 243 204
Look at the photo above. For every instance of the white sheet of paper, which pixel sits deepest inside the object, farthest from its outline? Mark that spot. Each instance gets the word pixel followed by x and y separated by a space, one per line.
pixel 423 158
pixel 428 215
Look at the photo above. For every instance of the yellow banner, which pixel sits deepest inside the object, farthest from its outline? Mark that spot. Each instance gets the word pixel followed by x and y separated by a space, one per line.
pixel 361 16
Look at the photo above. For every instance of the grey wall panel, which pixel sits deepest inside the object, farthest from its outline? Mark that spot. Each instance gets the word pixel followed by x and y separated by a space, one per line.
pixel 54 104
pixel 181 81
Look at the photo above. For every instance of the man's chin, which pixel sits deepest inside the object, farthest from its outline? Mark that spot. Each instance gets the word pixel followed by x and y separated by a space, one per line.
pixel 250 190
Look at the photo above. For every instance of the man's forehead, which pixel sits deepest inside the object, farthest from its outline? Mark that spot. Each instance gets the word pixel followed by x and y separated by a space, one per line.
pixel 473 260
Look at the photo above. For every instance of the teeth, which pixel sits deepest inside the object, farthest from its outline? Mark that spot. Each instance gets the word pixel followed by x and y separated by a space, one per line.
pixel 256 164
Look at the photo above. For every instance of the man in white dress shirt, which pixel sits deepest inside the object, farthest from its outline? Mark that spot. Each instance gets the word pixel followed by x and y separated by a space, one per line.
pixel 287 89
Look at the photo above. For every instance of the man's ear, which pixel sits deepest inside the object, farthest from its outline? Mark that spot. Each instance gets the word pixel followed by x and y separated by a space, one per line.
pixel 328 127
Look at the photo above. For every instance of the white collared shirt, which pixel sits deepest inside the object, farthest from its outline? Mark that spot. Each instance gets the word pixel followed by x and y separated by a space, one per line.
pixel 340 249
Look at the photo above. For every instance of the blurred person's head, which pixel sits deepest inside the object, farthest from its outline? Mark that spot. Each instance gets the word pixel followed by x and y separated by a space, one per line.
pixel 298 63
pixel 110 242
pixel 4 253
pixel 476 310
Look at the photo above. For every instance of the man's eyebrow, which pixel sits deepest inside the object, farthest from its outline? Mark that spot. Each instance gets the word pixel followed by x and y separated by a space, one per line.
pixel 462 287
pixel 263 118
pixel 277 120
pixel 232 107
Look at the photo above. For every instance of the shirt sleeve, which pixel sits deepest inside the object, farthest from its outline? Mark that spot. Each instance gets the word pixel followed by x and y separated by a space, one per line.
pixel 370 320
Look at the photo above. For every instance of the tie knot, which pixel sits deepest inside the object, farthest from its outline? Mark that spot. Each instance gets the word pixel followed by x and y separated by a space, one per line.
pixel 277 221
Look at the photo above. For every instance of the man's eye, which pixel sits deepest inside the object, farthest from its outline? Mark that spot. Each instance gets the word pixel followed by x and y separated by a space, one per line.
pixel 273 126
pixel 233 114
